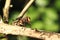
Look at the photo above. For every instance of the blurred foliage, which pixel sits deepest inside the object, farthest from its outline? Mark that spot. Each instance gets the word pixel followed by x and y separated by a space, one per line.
pixel 44 15
pixel 57 4
pixel 42 3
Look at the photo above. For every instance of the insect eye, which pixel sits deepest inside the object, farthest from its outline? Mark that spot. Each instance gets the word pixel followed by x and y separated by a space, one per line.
pixel 28 19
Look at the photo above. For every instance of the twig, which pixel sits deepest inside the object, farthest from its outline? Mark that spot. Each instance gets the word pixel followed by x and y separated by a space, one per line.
pixel 25 9
pixel 16 30
pixel 6 10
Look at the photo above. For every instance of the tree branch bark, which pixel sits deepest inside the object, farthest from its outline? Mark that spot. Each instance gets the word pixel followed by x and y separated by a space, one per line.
pixel 16 30
pixel 6 10
pixel 25 9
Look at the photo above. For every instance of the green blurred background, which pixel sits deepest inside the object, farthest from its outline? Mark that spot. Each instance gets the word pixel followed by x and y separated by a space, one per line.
pixel 44 14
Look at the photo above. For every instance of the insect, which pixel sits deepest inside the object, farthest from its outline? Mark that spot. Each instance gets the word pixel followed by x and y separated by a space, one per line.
pixel 22 21
pixel 7 6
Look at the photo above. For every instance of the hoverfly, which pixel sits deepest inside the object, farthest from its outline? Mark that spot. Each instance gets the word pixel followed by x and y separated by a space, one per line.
pixel 22 21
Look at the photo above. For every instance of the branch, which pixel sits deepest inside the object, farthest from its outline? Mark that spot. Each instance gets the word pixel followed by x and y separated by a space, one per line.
pixel 17 30
pixel 6 10
pixel 25 9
